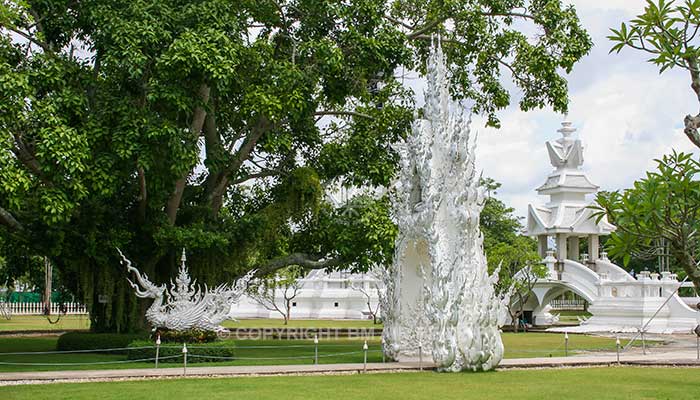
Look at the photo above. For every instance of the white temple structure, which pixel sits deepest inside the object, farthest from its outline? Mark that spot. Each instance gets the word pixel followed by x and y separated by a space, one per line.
pixel 618 301
pixel 322 295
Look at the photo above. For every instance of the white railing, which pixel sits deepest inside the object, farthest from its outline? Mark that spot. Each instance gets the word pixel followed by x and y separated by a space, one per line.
pixel 564 304
pixel 38 308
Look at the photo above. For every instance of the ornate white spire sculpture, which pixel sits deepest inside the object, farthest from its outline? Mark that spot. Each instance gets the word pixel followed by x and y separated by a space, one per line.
pixel 187 306
pixel 440 298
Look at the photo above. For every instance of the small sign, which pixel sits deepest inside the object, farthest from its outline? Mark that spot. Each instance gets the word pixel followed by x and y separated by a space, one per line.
pixel 103 298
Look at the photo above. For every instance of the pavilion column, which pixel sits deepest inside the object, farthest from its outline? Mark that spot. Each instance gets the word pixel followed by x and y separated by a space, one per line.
pixel 572 246
pixel 542 246
pixel 593 247
pixel 561 247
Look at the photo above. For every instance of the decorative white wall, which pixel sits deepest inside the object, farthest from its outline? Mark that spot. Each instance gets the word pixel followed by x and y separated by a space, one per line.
pixel 323 295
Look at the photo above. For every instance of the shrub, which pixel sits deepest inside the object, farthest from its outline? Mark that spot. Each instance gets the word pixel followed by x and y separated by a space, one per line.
pixel 93 341
pixel 187 336
pixel 204 352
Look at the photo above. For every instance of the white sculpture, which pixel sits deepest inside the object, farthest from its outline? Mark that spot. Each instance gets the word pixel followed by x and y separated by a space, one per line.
pixel 439 297
pixel 185 306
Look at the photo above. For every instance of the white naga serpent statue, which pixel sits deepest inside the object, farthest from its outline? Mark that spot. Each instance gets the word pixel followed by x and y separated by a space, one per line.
pixel 185 306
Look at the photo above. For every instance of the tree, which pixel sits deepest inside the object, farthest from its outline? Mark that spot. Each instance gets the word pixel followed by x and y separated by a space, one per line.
pixel 285 282
pixel 506 248
pixel 216 125
pixel 668 32
pixel 664 205
pixel 521 267
pixel 367 293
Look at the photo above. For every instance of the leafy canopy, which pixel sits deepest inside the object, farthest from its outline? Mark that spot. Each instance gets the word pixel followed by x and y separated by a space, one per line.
pixel 663 207
pixel 222 126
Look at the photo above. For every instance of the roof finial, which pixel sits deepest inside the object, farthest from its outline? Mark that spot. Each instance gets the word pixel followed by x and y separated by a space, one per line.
pixel 566 129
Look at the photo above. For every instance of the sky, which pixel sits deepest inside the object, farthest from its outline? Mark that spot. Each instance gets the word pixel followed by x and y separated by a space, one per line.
pixel 625 112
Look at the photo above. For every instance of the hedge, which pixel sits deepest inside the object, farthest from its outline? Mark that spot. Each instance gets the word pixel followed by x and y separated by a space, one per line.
pixel 187 336
pixel 215 349
pixel 93 341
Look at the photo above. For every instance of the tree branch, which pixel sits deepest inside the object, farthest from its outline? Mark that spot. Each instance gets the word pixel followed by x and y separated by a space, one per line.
pixel 198 117
pixel 425 28
pixel 143 194
pixel 399 22
pixel 37 42
pixel 261 174
pixel 7 219
pixel 510 14
pixel 346 113
pixel 216 196
pixel 304 260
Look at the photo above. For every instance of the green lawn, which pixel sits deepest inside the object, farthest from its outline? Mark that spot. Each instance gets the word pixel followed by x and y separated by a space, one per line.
pixel 569 384
pixel 570 317
pixel 520 345
pixel 301 323
pixel 40 323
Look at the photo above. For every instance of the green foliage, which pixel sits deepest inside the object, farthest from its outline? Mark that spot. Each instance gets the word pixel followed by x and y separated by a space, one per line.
pixel 507 249
pixel 206 352
pixel 219 126
pixel 186 336
pixel 93 341
pixel 665 30
pixel 662 206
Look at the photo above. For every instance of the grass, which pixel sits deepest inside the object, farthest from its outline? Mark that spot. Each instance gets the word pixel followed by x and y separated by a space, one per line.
pixel 301 323
pixel 519 345
pixel 570 317
pixel 41 323
pixel 570 384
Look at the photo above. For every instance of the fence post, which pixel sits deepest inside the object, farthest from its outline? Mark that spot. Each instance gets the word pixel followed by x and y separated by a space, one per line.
pixel 566 344
pixel 383 356
pixel 157 348
pixel 617 347
pixel 420 355
pixel 316 349
pixel 364 349
pixel 184 355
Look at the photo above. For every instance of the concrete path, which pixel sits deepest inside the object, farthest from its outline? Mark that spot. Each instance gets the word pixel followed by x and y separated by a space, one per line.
pixel 685 358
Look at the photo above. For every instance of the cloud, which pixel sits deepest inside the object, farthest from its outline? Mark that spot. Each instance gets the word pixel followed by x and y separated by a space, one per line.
pixel 626 114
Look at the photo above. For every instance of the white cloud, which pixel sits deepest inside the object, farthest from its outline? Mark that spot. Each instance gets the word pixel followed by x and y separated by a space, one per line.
pixel 626 113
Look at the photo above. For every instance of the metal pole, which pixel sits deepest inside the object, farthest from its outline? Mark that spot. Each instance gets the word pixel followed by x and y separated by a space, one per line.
pixel 315 349
pixel 617 347
pixel 184 354
pixel 157 349
pixel 364 348
pixel 566 344
pixel 697 346
pixel 420 356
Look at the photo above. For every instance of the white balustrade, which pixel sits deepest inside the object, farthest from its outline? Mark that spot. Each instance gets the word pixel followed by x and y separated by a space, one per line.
pixel 26 308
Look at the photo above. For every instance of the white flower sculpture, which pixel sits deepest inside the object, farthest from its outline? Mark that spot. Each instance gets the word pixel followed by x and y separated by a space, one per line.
pixel 438 286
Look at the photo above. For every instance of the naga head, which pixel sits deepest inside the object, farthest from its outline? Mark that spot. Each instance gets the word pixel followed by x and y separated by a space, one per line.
pixel 144 288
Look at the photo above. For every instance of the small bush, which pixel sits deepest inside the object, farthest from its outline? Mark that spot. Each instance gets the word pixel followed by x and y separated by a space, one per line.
pixel 197 353
pixel 93 341
pixel 188 336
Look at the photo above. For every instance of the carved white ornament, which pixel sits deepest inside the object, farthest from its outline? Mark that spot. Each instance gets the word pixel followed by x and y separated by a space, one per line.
pixel 438 294
pixel 185 306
